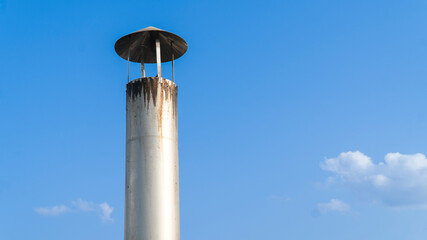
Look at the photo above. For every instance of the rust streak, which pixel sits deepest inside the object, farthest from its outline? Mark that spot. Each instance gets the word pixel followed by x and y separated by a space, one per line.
pixel 152 89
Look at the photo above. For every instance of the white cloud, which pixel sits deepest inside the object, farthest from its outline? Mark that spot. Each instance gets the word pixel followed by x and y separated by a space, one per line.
pixel 106 211
pixel 333 205
pixel 80 205
pixel 52 211
pixel 349 164
pixel 399 181
pixel 380 180
pixel 83 205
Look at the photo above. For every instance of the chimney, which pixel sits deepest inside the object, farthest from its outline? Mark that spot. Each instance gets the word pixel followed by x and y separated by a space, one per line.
pixel 152 182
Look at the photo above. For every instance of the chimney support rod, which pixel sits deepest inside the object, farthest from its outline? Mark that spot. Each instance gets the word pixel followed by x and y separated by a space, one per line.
pixel 128 62
pixel 159 59
pixel 142 64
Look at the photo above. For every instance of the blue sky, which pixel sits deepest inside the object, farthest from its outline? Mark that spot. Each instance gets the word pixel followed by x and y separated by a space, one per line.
pixel 297 119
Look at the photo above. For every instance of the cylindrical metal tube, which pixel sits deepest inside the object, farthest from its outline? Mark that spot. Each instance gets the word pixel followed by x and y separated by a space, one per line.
pixel 152 184
pixel 159 58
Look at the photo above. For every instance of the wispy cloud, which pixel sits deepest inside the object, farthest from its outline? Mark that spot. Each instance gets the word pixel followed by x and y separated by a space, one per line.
pixel 80 205
pixel 334 205
pixel 106 211
pixel 399 181
pixel 52 211
pixel 83 205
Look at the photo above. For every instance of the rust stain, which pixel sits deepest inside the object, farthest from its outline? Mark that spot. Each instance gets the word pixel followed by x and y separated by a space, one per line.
pixel 155 90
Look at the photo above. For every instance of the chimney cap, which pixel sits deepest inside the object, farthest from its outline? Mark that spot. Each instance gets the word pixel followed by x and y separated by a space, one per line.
pixel 141 45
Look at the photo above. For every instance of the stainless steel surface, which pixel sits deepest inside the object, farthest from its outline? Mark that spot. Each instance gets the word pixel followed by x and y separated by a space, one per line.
pixel 142 70
pixel 159 59
pixel 128 64
pixel 144 41
pixel 142 66
pixel 152 182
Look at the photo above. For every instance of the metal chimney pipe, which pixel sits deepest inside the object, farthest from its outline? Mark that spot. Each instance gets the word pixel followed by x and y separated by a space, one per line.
pixel 152 181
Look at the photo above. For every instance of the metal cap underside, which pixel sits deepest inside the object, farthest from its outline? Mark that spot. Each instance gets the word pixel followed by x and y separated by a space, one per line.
pixel 142 43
